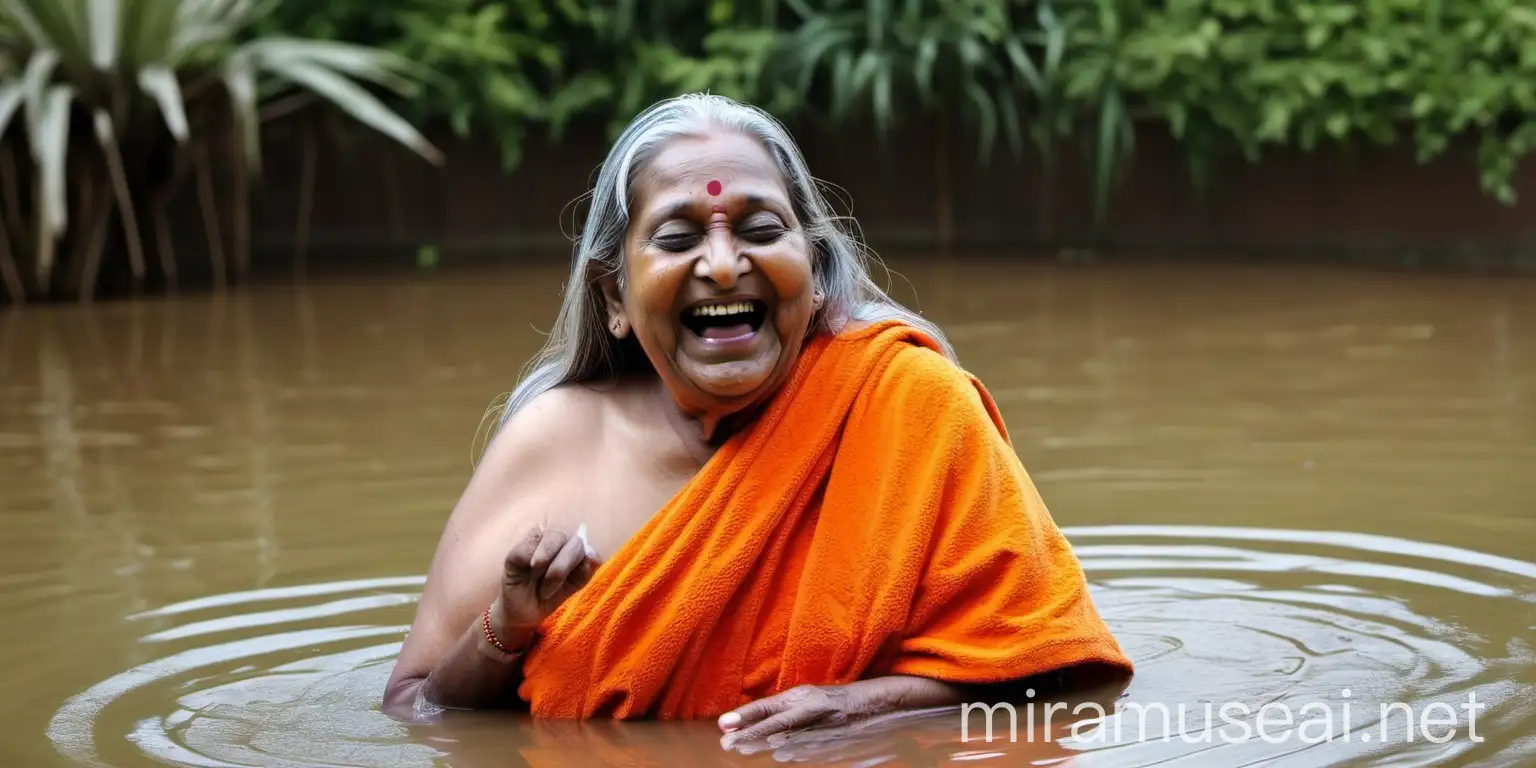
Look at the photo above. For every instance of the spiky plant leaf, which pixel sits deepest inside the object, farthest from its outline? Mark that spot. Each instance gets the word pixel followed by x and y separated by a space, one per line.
pixel 49 135
pixel 103 22
pixel 162 86
pixel 353 100
pixel 113 59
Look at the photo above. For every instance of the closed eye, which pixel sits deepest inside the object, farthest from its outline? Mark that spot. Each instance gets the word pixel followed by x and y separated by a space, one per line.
pixel 766 234
pixel 677 243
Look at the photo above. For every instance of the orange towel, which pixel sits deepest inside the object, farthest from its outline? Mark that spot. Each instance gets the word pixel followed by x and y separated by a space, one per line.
pixel 874 520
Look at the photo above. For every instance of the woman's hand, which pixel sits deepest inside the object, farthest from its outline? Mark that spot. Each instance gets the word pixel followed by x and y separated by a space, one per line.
pixel 540 573
pixel 813 706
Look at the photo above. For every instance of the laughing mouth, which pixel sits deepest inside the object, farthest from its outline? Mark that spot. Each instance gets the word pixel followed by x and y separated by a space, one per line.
pixel 724 320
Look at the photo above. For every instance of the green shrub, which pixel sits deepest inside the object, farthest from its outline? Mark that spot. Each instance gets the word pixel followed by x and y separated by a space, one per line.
pixel 1256 73
pixel 132 73
pixel 1224 76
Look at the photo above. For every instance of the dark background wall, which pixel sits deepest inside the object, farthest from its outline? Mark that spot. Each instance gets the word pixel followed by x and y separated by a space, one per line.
pixel 371 197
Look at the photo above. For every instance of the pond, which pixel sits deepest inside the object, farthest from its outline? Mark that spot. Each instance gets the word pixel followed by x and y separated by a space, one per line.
pixel 1289 486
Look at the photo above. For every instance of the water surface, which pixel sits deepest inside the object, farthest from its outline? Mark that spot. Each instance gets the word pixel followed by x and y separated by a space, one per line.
pixel 1284 483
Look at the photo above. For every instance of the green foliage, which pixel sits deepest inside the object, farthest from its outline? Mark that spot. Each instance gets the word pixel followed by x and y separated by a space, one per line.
pixel 888 57
pixel 1255 73
pixel 135 69
pixel 490 62
pixel 652 49
pixel 1225 76
pixel 505 67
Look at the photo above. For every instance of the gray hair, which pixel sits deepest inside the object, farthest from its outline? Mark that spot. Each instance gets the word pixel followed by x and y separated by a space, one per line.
pixel 580 348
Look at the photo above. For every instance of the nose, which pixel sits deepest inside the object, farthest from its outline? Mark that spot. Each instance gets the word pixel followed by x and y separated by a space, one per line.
pixel 721 261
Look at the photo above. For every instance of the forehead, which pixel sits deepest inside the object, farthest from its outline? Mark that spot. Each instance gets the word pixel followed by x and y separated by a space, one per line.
pixel 688 164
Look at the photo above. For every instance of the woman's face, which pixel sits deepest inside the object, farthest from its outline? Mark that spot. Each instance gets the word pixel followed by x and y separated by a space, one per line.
pixel 719 284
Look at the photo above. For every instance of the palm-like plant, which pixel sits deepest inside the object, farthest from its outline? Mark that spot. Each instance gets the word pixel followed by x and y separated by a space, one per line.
pixel 642 52
pixel 135 71
pixel 974 58
pixel 1094 80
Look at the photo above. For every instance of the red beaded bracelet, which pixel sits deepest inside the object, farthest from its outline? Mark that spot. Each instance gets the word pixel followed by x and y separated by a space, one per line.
pixel 490 635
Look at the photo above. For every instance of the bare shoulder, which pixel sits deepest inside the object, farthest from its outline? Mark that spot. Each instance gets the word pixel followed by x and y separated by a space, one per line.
pixel 516 478
pixel 548 429
pixel 566 406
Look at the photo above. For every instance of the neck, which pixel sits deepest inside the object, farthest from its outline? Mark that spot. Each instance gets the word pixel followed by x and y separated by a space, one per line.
pixel 697 431
pixel 701 431
pixel 704 427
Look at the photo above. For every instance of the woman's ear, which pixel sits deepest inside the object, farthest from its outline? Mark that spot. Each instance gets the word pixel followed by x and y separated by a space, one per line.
pixel 613 302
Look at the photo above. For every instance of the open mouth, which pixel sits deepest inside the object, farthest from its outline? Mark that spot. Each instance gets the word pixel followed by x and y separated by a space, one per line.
pixel 719 321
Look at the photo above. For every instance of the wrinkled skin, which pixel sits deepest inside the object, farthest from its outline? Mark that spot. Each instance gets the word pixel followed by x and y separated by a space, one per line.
pixel 686 246
pixel 830 706
pixel 540 573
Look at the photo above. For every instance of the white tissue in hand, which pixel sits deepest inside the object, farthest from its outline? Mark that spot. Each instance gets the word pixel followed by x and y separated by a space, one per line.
pixel 581 533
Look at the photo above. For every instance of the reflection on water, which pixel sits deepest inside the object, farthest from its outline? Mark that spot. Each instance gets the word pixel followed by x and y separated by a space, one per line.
pixel 1284 485
pixel 1213 615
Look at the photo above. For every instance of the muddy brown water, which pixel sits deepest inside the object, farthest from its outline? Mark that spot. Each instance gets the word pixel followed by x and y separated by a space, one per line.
pixel 1313 489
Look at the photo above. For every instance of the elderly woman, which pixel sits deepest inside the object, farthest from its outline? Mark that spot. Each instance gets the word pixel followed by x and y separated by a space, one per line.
pixel 740 481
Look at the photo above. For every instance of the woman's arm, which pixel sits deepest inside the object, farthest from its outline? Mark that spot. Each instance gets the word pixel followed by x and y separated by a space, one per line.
pixel 471 676
pixel 494 530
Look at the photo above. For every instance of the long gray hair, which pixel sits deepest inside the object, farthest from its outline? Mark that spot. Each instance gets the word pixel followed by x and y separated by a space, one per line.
pixel 580 347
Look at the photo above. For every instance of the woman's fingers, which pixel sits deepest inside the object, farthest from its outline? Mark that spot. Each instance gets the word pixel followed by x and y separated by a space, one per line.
pixel 550 544
pixel 767 706
pixel 519 560
pixel 550 563
pixel 583 573
pixel 562 566
pixel 794 717
pixel 750 713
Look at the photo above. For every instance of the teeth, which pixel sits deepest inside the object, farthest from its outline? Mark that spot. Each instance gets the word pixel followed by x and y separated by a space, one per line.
pixel 715 310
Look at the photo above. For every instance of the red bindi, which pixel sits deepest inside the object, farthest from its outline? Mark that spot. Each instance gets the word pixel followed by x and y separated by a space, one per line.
pixel 713 188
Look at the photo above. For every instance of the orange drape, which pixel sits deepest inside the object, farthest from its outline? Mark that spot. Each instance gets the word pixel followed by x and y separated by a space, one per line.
pixel 873 520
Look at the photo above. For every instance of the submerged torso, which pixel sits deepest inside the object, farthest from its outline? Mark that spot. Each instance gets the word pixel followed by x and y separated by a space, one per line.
pixel 875 520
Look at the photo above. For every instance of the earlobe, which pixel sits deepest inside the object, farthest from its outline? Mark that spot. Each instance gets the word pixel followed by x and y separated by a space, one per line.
pixel 618 325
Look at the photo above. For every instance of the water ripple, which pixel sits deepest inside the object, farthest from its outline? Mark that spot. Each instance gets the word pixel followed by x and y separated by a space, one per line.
pixel 1214 617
